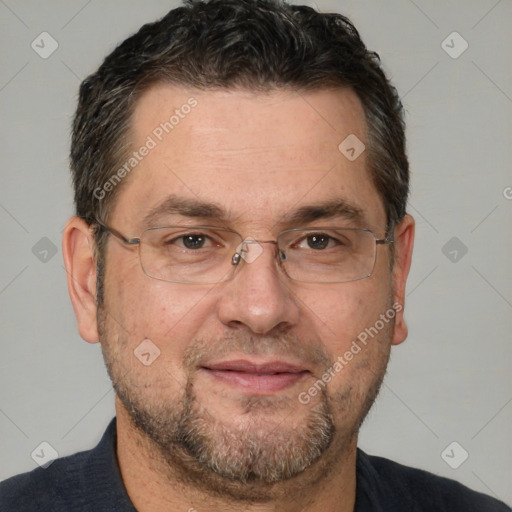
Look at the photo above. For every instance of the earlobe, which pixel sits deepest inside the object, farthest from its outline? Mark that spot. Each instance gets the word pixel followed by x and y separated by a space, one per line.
pixel 79 260
pixel 404 242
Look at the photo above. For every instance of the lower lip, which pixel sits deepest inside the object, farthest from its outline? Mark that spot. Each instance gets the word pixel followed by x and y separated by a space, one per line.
pixel 257 383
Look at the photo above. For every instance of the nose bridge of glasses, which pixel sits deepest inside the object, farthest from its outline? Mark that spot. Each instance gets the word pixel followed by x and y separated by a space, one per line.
pixel 249 250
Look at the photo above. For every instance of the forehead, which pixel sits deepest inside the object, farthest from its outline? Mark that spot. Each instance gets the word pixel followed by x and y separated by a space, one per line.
pixel 257 155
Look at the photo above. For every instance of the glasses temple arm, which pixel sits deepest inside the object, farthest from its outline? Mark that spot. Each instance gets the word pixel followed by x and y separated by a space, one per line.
pixel 118 235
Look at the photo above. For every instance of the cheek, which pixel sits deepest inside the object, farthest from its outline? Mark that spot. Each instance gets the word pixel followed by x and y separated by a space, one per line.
pixel 340 313
pixel 168 314
pixel 357 341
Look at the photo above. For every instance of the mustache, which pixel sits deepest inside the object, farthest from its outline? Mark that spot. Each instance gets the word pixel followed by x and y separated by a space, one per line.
pixel 310 352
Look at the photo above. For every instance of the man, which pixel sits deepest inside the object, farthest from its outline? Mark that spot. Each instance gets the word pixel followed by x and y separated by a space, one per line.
pixel 240 250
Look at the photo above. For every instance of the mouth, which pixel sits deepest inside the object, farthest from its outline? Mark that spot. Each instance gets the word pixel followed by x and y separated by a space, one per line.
pixel 260 379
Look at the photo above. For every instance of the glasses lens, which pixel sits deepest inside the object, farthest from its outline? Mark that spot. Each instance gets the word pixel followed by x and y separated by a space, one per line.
pixel 186 254
pixel 328 255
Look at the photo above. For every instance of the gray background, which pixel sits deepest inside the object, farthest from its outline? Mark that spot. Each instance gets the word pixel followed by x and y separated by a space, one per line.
pixel 451 381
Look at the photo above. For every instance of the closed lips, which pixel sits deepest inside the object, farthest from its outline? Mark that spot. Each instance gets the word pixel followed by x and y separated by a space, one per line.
pixel 256 379
pixel 271 368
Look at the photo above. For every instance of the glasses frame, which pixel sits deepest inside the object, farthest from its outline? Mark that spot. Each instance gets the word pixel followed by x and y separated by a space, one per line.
pixel 235 260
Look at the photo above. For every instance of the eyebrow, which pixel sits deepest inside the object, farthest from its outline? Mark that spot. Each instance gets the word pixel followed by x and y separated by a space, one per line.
pixel 326 210
pixel 194 208
pixel 186 208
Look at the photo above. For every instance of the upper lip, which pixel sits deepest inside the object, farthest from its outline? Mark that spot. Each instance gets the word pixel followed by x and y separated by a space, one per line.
pixel 242 365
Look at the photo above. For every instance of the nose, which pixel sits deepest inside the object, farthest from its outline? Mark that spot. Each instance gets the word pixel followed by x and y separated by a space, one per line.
pixel 259 295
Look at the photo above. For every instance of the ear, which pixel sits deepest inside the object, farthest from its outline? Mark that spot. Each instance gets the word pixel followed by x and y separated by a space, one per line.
pixel 78 252
pixel 404 242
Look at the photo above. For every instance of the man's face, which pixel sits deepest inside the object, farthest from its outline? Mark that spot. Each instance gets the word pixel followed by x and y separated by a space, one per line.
pixel 208 403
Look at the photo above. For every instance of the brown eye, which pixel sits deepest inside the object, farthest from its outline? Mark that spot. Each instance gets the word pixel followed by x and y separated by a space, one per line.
pixel 193 241
pixel 318 241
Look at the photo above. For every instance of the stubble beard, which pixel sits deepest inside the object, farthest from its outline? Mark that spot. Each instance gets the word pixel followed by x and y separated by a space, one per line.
pixel 187 443
pixel 226 460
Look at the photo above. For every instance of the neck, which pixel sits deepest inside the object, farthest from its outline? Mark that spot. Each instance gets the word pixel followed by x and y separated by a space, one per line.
pixel 329 484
